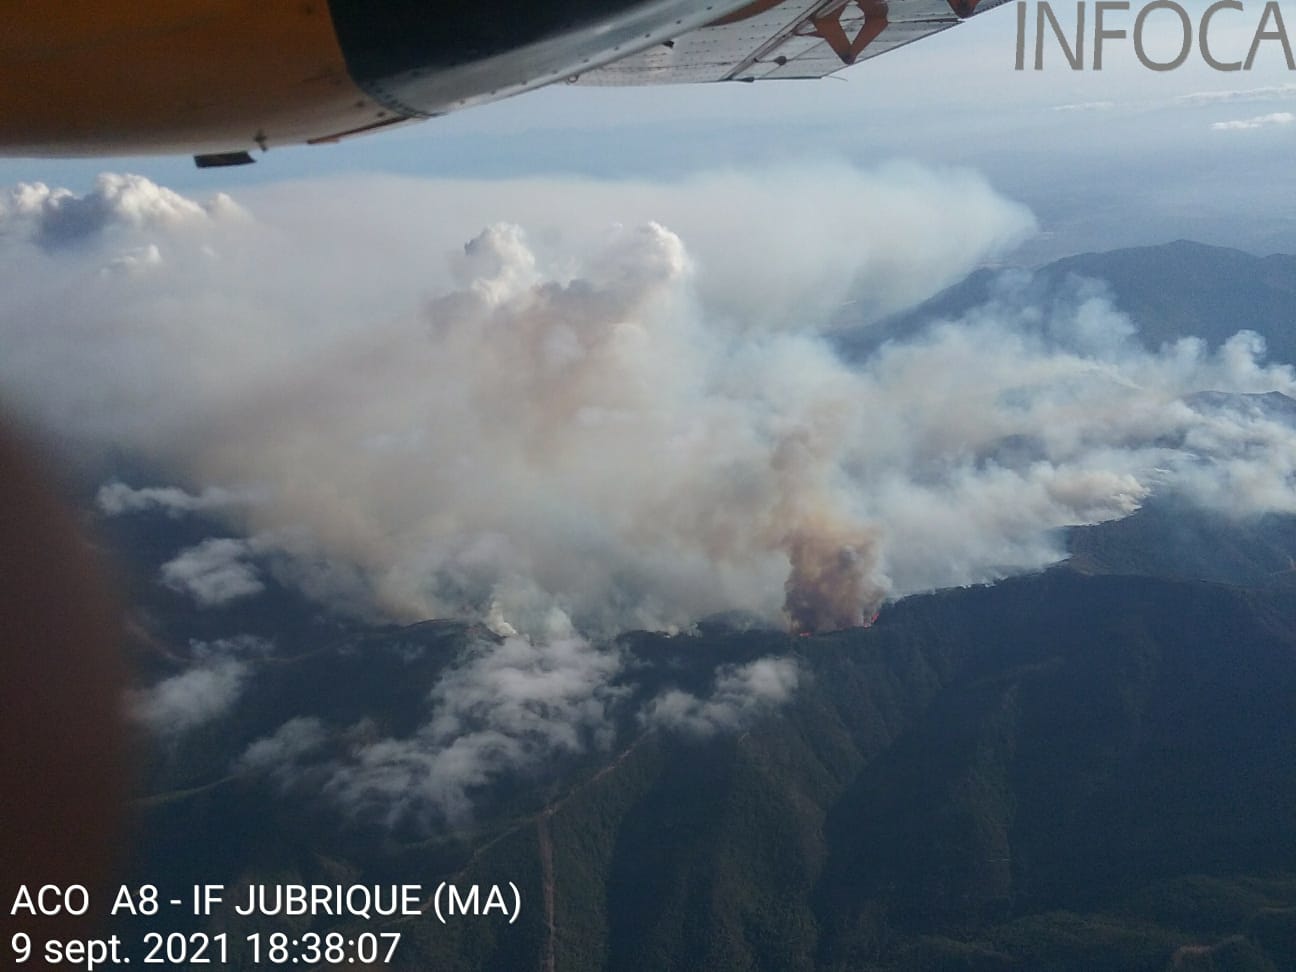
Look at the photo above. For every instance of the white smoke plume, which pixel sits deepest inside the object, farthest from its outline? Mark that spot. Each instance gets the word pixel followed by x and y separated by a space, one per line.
pixel 582 418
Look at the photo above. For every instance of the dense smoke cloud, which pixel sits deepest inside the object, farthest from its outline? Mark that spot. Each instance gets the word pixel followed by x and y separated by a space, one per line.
pixel 591 425
pixel 580 419
pixel 623 424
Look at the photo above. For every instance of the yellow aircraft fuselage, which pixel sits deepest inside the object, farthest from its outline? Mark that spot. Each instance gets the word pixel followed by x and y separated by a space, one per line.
pixel 98 76
pixel 225 77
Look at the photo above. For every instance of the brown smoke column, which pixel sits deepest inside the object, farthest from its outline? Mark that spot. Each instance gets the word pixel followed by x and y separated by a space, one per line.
pixel 830 586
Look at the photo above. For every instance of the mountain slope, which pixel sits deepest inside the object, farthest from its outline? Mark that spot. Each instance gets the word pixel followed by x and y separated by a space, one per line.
pixel 1170 291
pixel 1042 774
pixel 1060 771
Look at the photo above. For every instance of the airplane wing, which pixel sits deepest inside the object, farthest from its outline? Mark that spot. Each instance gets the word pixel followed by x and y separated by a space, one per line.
pixel 782 39
pixel 223 78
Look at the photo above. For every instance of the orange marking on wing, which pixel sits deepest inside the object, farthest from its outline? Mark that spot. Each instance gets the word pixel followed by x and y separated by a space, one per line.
pixel 828 26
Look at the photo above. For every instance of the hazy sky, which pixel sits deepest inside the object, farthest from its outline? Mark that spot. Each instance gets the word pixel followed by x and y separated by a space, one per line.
pixel 1104 158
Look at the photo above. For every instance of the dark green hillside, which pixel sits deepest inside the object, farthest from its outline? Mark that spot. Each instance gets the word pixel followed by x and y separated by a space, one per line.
pixel 1167 539
pixel 1057 772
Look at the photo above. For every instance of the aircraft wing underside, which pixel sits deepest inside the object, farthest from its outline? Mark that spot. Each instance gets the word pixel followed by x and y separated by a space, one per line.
pixel 771 39
pixel 222 79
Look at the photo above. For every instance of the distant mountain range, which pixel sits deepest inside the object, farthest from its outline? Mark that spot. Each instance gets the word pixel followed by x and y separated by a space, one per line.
pixel 1172 291
pixel 1090 768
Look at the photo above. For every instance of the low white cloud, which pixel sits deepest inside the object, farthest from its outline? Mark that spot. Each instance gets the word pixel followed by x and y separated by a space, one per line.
pixel 742 694
pixel 503 709
pixel 204 692
pixel 188 700
pixel 60 217
pixel 215 572
pixel 1259 121
pixel 1271 92
pixel 1085 106
pixel 117 498
pixel 282 755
